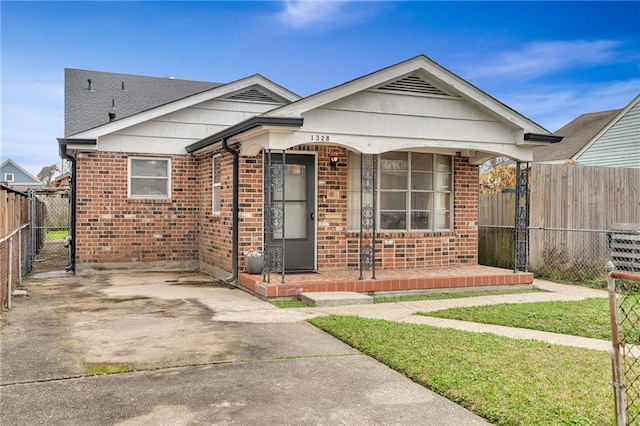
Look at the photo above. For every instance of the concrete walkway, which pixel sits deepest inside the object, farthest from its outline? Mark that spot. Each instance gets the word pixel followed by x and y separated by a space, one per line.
pixel 194 353
pixel 405 312
pixel 209 354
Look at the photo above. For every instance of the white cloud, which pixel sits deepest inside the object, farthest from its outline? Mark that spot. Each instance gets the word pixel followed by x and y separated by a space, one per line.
pixel 544 58
pixel 555 106
pixel 301 13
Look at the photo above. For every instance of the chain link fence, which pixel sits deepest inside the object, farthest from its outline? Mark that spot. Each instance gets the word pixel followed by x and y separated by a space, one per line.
pixel 563 255
pixel 51 229
pixel 624 306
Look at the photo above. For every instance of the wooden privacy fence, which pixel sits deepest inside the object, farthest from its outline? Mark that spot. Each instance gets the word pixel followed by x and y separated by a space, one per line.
pixel 575 212
pixel 14 241
pixel 584 197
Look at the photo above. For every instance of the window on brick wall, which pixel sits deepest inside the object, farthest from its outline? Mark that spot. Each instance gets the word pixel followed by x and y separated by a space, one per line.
pixel 149 177
pixel 217 187
pixel 415 192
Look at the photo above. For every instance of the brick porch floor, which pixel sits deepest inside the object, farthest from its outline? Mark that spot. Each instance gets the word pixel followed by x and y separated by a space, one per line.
pixel 387 280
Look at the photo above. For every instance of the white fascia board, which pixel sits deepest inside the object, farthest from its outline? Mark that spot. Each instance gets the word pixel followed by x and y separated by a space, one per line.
pixel 185 103
pixel 82 147
pixel 606 128
pixel 282 139
pixel 444 78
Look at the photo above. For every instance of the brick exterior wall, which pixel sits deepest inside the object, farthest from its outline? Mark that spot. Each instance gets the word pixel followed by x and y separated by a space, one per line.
pixel 337 248
pixel 112 228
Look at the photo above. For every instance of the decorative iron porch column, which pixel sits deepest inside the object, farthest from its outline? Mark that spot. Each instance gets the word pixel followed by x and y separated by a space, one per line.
pixel 274 216
pixel 521 234
pixel 368 215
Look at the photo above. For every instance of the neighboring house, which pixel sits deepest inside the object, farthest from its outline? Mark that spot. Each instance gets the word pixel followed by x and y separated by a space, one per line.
pixel 15 177
pixel 172 173
pixel 63 181
pixel 607 138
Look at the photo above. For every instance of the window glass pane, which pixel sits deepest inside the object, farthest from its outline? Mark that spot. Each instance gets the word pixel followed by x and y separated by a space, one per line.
pixel 353 191
pixel 420 219
pixel 422 180
pixel 443 201
pixel 421 162
pixel 393 201
pixel 393 180
pixel 216 199
pixel 295 182
pixel 147 186
pixel 393 220
pixel 216 169
pixel 443 181
pixel 443 220
pixel 295 221
pixel 394 161
pixel 155 168
pixel 353 182
pixel 443 163
pixel 421 200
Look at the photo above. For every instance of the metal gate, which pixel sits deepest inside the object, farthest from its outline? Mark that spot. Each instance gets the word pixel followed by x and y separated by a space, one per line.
pixel 624 307
pixel 52 229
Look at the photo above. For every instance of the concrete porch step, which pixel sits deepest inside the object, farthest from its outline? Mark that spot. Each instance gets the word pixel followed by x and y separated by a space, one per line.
pixel 335 298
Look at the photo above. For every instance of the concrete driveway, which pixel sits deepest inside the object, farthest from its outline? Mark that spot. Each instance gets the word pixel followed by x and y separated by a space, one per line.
pixel 194 352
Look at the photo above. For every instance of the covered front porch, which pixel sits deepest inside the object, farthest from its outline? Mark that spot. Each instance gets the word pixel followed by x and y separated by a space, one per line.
pixel 419 279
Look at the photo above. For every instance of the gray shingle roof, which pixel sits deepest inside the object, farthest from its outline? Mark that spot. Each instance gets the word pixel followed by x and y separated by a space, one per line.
pixel 86 109
pixel 577 134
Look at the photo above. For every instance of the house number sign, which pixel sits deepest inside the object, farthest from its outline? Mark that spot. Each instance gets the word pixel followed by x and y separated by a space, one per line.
pixel 319 138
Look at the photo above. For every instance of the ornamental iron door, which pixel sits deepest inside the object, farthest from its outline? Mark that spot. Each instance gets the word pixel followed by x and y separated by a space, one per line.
pixel 289 206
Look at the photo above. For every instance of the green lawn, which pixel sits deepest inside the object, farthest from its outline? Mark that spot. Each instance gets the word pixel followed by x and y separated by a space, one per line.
pixel 587 318
pixel 294 303
pixel 56 235
pixel 287 303
pixel 506 381
pixel 448 295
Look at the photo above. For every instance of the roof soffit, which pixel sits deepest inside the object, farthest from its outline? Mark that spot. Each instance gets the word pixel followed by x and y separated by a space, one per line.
pixel 221 92
pixel 432 73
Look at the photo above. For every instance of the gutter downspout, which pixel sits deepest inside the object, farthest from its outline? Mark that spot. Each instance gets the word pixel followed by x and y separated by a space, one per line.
pixel 234 218
pixel 72 264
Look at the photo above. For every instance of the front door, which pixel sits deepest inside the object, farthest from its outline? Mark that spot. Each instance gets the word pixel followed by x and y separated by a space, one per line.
pixel 298 220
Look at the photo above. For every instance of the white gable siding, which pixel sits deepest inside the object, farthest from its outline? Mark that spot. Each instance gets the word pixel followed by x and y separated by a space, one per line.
pixel 619 146
pixel 421 118
pixel 170 133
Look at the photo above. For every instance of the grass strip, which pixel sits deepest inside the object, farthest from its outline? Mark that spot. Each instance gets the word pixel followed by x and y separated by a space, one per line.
pixel 288 303
pixel 295 303
pixel 56 235
pixel 586 318
pixel 449 295
pixel 506 381
pixel 101 369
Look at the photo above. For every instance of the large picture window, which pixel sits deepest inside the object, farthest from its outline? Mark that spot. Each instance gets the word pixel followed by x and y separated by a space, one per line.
pixel 415 191
pixel 217 187
pixel 149 177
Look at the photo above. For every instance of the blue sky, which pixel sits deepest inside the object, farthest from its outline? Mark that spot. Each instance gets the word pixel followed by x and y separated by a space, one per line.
pixel 550 61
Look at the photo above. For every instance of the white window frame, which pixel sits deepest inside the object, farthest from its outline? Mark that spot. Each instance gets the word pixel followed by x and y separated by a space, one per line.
pixel 149 196
pixel 216 186
pixel 9 177
pixel 354 191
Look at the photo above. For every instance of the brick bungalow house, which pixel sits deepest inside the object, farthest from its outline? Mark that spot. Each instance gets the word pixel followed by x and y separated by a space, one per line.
pixel 376 175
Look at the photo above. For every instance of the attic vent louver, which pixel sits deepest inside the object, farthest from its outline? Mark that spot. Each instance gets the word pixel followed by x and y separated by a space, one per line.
pixel 253 95
pixel 413 84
